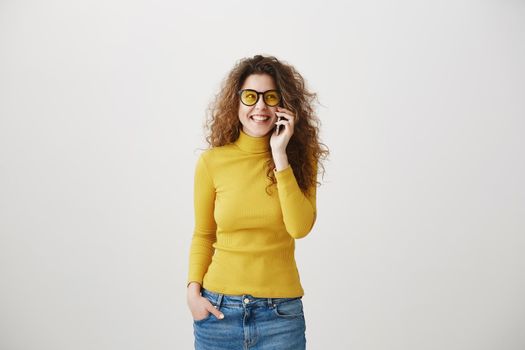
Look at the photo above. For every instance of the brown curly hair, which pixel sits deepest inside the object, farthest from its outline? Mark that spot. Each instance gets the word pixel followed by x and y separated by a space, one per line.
pixel 304 150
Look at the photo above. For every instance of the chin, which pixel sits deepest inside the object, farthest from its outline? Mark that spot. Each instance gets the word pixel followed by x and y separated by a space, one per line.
pixel 257 132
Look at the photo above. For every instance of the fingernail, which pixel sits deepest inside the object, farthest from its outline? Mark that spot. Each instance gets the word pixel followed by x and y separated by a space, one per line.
pixel 221 316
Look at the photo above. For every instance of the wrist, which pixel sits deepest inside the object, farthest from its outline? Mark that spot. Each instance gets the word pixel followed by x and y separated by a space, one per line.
pixel 280 160
pixel 194 288
pixel 279 153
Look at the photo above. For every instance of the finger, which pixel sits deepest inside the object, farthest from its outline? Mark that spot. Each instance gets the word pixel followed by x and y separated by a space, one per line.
pixel 215 312
pixel 284 114
pixel 286 124
pixel 284 120
pixel 282 109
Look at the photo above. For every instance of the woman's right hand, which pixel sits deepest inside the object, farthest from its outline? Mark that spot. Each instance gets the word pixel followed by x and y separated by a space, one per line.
pixel 199 306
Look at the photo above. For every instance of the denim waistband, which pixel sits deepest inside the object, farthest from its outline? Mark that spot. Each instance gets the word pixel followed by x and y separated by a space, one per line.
pixel 245 300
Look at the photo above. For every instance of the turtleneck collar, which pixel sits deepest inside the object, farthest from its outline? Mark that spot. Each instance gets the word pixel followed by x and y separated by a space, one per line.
pixel 253 144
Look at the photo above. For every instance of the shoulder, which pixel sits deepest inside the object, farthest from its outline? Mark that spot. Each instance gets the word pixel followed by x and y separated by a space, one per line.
pixel 213 155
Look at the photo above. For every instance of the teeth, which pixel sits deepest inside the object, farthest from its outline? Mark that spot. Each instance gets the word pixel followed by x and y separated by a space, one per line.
pixel 260 118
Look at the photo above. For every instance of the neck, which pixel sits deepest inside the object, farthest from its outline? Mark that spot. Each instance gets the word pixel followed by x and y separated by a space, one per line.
pixel 253 144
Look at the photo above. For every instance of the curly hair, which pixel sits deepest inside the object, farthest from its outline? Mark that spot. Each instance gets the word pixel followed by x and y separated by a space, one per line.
pixel 304 150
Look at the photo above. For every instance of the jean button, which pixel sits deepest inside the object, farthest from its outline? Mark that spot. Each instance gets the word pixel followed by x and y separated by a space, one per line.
pixel 246 300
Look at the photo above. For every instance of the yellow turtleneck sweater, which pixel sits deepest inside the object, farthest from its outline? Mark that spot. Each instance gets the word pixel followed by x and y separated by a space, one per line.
pixel 244 239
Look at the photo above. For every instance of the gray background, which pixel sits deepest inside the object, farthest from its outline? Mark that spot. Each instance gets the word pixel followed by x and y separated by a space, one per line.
pixel 421 216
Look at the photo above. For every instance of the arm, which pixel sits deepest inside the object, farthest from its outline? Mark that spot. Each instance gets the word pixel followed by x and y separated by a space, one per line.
pixel 201 250
pixel 299 211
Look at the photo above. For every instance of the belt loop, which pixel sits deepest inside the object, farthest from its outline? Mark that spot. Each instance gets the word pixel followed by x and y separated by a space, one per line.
pixel 219 300
pixel 270 302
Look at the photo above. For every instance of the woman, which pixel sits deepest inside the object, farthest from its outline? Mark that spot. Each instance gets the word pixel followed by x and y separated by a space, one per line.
pixel 254 194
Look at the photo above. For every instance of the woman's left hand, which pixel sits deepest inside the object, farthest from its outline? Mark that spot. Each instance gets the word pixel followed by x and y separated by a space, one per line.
pixel 279 142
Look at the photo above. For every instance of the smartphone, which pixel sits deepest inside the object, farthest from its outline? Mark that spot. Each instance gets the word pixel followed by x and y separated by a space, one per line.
pixel 279 127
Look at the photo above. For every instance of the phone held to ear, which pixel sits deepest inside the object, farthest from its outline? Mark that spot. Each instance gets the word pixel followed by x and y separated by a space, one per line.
pixel 278 127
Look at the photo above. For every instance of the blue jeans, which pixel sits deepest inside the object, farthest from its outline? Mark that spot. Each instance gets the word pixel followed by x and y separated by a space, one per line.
pixel 251 323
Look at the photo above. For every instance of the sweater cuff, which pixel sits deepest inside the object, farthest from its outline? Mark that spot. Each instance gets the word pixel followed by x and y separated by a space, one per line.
pixel 194 276
pixel 190 281
pixel 285 176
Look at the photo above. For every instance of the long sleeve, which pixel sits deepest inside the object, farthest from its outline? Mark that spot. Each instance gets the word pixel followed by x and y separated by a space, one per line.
pixel 204 234
pixel 299 211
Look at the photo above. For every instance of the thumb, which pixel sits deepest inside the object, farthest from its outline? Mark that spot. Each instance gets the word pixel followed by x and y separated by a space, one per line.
pixel 215 312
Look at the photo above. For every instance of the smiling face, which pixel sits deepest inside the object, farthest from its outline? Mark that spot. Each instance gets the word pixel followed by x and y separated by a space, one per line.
pixel 259 119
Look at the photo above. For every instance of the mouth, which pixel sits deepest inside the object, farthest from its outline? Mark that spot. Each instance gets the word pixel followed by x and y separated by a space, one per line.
pixel 260 118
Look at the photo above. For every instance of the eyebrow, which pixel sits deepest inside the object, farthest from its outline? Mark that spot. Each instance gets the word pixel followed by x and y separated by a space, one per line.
pixel 261 92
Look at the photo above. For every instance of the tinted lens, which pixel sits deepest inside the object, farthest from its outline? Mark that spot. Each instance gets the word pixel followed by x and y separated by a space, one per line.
pixel 272 98
pixel 249 97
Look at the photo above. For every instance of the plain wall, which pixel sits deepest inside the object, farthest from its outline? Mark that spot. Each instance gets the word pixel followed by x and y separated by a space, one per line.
pixel 419 241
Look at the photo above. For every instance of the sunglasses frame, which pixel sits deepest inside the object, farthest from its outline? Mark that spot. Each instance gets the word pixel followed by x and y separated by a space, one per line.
pixel 260 93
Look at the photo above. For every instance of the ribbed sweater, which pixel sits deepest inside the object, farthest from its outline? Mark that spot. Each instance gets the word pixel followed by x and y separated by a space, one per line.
pixel 244 239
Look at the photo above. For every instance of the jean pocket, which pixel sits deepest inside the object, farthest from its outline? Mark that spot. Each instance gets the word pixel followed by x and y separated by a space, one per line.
pixel 289 309
pixel 213 302
pixel 203 319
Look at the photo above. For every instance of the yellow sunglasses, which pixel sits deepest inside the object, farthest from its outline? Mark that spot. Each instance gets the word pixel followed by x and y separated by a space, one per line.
pixel 249 97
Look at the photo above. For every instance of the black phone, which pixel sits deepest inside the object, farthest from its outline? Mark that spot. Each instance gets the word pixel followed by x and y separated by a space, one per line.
pixel 279 127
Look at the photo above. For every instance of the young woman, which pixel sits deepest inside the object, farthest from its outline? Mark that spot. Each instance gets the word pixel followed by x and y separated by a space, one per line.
pixel 254 195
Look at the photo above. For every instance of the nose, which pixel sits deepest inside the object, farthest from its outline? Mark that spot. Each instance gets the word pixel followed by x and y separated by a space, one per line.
pixel 260 103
